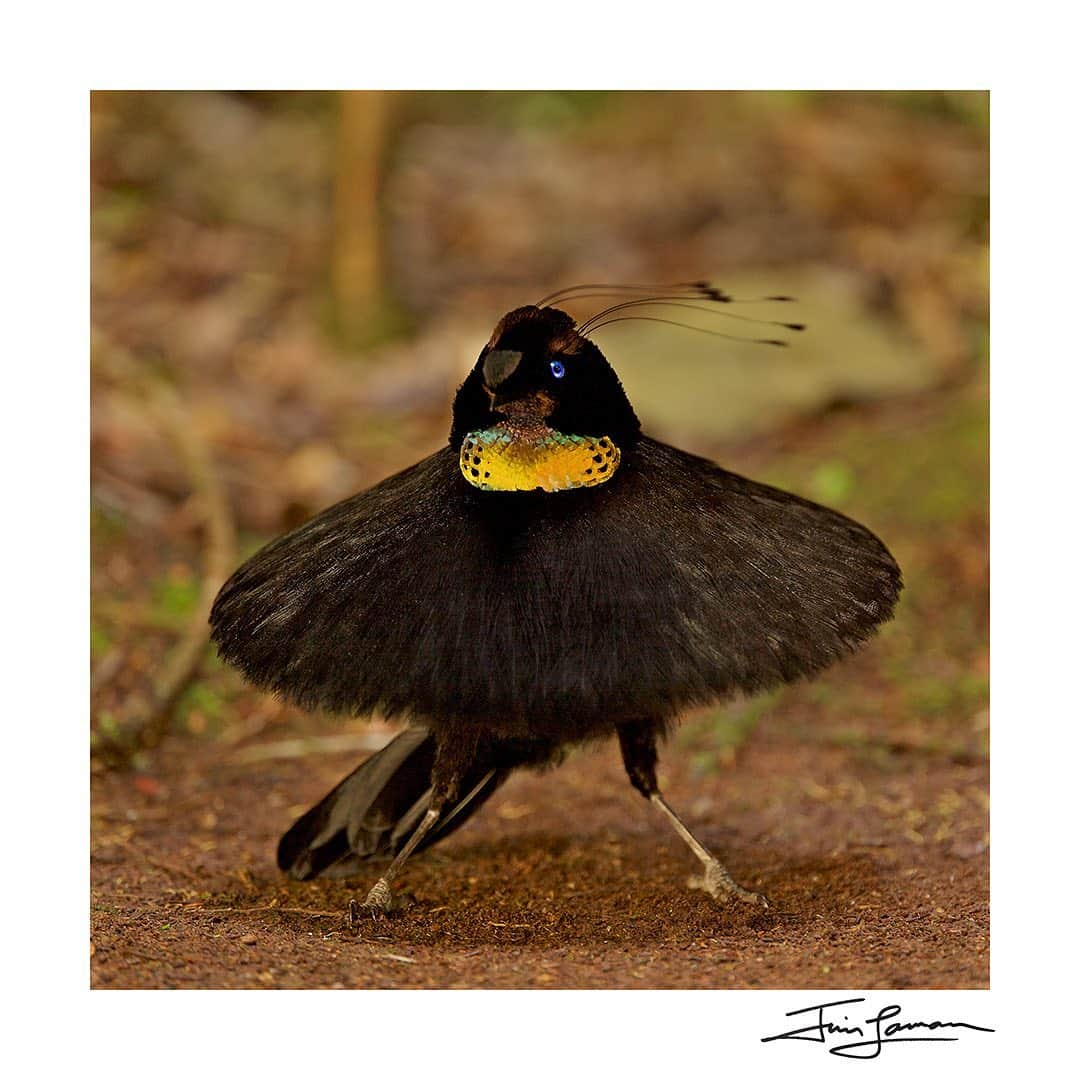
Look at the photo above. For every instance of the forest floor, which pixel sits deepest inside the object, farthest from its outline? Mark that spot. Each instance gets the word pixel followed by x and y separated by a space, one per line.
pixel 859 803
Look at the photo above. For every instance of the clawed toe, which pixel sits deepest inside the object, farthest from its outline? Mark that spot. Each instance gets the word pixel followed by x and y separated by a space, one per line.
pixel 379 902
pixel 720 885
pixel 358 914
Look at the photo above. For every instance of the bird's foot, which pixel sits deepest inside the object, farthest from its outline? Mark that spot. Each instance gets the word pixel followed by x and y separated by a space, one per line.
pixel 720 885
pixel 380 901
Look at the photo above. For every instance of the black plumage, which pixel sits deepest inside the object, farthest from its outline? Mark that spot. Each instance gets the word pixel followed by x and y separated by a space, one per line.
pixel 506 625
pixel 375 808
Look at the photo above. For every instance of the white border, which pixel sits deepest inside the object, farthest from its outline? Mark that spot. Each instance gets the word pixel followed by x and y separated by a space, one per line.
pixel 56 55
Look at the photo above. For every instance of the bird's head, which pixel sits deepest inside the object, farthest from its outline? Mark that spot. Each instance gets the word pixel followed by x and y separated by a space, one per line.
pixel 541 409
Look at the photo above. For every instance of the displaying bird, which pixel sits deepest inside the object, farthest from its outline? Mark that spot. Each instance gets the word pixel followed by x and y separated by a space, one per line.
pixel 551 577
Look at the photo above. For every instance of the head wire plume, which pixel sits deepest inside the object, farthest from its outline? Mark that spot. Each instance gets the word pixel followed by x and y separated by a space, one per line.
pixel 699 296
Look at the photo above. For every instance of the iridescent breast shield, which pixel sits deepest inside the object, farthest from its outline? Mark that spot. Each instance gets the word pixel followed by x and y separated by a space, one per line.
pixel 515 457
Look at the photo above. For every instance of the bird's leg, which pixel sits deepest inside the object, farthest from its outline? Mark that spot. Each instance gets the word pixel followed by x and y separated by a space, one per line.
pixel 638 744
pixel 452 762
pixel 380 899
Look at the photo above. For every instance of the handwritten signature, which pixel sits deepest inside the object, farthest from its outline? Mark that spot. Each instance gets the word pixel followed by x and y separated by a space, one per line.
pixel 873 1032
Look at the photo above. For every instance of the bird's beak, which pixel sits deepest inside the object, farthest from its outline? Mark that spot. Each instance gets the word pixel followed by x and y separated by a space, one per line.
pixel 499 365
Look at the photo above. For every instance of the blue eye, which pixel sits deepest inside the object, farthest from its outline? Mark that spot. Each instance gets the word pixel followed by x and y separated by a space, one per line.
pixel 557 369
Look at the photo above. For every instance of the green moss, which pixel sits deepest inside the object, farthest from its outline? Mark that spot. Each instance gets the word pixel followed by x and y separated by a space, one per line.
pixel 109 726
pixel 175 597
pixel 720 732
pixel 201 710
pixel 936 473
pixel 121 212
pixel 100 641
pixel 107 524
pixel 960 696
pixel 832 483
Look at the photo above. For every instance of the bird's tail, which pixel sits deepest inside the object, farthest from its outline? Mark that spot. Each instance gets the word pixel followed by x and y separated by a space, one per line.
pixel 375 808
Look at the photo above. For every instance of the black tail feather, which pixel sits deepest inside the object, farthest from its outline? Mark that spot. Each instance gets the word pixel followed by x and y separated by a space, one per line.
pixel 375 808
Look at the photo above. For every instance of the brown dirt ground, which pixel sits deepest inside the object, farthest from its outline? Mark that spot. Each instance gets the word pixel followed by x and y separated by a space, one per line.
pixel 565 880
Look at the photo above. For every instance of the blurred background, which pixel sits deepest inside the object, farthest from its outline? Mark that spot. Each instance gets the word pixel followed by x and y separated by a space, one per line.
pixel 287 289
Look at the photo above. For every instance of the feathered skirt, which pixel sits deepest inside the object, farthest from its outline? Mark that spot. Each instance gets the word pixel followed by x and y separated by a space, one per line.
pixel 554 615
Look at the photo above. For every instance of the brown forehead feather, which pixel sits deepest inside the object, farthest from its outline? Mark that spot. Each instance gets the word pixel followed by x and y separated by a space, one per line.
pixel 565 339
